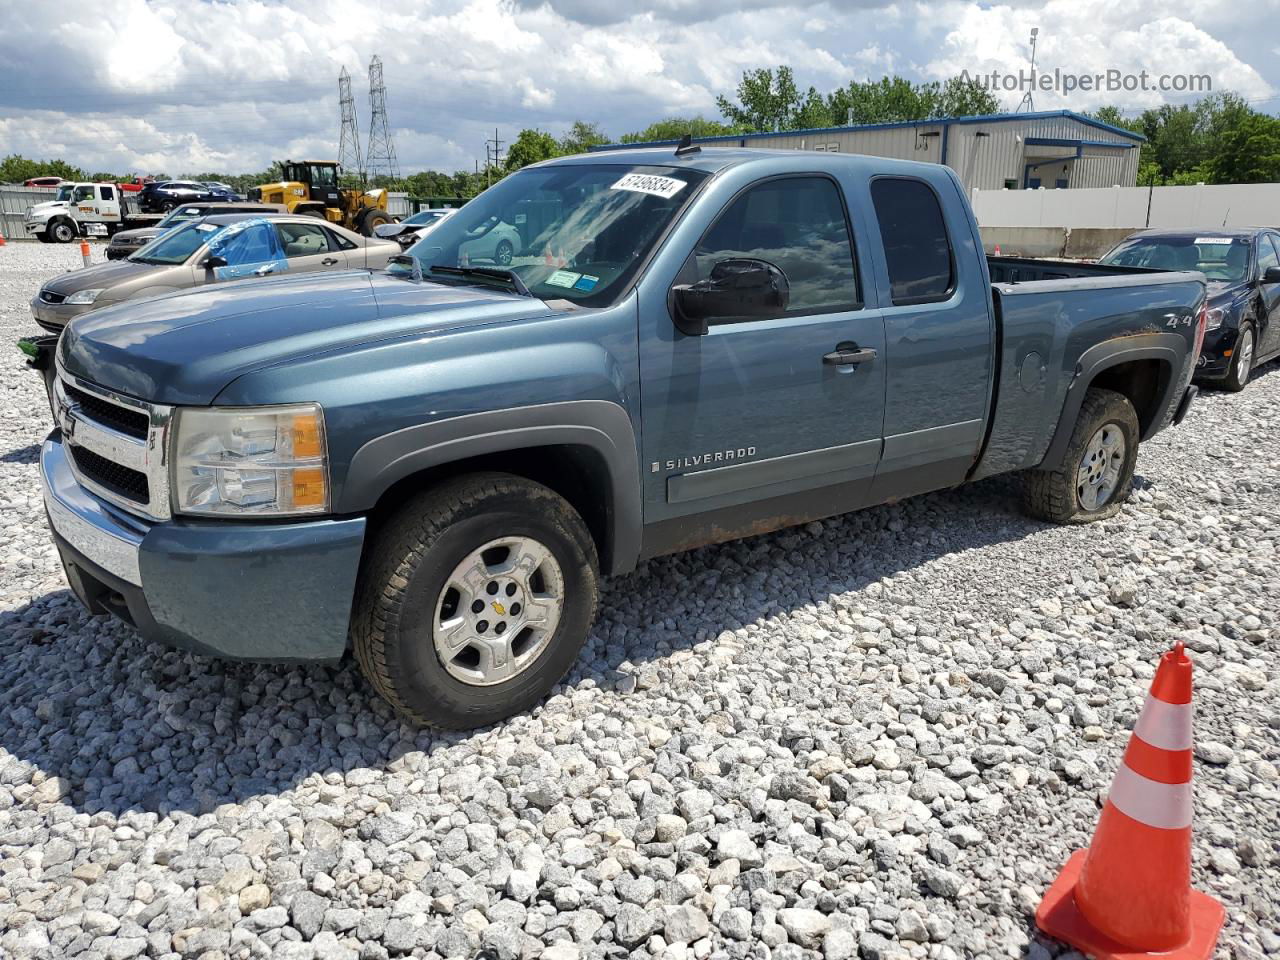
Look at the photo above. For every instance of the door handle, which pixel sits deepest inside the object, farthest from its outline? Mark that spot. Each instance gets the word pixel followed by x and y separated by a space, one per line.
pixel 329 261
pixel 849 353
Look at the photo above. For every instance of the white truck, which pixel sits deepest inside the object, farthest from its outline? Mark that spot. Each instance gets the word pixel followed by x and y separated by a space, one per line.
pixel 85 210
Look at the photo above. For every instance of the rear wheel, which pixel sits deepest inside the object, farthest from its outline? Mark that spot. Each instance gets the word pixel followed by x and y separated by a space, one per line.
pixel 475 599
pixel 313 212
pixel 1241 360
pixel 1096 475
pixel 504 252
pixel 373 218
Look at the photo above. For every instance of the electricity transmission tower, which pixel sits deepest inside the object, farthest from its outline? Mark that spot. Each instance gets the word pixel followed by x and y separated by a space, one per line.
pixel 349 139
pixel 381 155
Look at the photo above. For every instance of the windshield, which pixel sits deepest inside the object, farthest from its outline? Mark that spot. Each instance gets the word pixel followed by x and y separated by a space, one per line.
pixel 1219 258
pixel 177 245
pixel 572 232
pixel 182 215
pixel 425 216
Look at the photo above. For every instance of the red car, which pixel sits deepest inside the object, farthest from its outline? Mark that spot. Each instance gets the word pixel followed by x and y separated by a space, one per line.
pixel 43 182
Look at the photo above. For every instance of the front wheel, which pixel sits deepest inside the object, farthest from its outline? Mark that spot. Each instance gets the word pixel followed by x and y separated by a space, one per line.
pixel 504 253
pixel 475 599
pixel 1096 475
pixel 1241 360
pixel 373 218
pixel 62 231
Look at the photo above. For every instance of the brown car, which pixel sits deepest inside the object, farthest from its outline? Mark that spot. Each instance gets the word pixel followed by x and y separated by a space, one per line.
pixel 210 250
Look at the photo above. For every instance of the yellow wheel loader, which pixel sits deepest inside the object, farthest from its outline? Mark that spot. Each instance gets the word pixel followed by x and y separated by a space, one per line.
pixel 311 187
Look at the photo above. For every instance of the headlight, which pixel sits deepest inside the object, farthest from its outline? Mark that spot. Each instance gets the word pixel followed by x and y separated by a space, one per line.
pixel 1214 318
pixel 84 296
pixel 260 461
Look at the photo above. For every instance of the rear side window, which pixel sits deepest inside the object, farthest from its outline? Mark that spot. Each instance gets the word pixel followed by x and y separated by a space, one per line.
pixel 339 242
pixel 921 268
pixel 798 224
pixel 108 193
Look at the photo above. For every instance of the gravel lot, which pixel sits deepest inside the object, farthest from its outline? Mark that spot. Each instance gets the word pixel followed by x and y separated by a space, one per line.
pixel 877 736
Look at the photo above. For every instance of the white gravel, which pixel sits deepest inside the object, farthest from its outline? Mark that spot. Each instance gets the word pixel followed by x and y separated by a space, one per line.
pixel 878 736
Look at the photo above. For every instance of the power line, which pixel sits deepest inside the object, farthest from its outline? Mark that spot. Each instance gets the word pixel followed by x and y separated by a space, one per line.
pixel 349 138
pixel 381 155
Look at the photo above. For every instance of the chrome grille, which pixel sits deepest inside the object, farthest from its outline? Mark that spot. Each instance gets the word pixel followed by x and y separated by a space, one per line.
pixel 118 445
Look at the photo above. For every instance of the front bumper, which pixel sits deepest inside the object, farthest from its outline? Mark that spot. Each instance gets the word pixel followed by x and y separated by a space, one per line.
pixel 54 316
pixel 271 592
pixel 1214 361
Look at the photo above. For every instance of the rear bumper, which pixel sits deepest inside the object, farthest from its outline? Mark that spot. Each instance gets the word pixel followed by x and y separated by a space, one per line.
pixel 261 592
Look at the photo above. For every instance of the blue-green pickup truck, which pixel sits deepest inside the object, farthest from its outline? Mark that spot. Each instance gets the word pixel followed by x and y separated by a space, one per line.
pixel 433 465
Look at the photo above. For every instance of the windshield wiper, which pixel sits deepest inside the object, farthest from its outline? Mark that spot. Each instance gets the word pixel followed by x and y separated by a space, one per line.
pixel 497 273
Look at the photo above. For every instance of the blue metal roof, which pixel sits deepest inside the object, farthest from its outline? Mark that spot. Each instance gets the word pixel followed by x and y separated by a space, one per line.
pixel 938 121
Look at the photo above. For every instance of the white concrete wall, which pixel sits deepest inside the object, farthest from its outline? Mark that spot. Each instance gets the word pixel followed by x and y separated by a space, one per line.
pixel 1232 205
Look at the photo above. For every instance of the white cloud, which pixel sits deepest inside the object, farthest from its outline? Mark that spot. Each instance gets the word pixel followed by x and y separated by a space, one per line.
pixel 1092 37
pixel 172 85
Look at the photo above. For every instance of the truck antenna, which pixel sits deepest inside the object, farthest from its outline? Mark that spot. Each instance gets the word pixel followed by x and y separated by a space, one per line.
pixel 686 147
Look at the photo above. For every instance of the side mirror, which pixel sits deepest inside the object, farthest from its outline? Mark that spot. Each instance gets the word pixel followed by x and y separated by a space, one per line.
pixel 739 288
pixel 213 261
pixel 1272 275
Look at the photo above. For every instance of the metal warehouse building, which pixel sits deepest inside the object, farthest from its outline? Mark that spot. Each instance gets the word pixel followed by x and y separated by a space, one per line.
pixel 1015 151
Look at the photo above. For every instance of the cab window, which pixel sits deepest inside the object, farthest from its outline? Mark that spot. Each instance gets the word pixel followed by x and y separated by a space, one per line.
pixel 916 246
pixel 798 224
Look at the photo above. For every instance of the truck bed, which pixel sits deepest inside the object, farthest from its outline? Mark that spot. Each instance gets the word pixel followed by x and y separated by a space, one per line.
pixel 1028 269
pixel 1048 316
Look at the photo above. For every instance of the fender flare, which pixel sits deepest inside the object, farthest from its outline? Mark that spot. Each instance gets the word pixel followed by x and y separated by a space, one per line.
pixel 1169 349
pixel 601 425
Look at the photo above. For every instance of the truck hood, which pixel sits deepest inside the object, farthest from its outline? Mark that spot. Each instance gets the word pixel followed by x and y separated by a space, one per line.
pixel 184 348
pixel 101 275
pixel 48 207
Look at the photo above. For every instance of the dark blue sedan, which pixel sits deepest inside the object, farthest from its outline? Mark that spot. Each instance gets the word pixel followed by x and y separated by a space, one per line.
pixel 1242 266
pixel 162 196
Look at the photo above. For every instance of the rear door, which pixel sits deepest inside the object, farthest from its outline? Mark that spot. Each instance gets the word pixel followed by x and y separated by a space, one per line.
pixel 938 334
pixel 308 246
pixel 757 409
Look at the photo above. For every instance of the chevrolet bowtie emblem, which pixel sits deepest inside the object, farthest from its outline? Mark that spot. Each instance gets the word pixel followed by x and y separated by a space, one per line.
pixel 499 609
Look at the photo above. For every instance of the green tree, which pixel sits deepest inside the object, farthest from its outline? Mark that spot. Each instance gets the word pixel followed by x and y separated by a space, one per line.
pixel 531 146
pixel 1250 152
pixel 767 101
pixel 673 128
pixel 959 97
pixel 581 137
pixel 16 168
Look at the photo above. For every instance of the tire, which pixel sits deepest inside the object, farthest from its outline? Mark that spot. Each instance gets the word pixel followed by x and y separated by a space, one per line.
pixel 504 252
pixel 43 237
pixel 371 218
pixel 1241 359
pixel 313 213
pixel 407 589
pixel 1091 484
pixel 62 231
pixel 167 205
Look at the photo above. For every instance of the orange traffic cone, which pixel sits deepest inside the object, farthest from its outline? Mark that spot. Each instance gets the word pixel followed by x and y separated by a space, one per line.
pixel 1129 895
pixel 2 240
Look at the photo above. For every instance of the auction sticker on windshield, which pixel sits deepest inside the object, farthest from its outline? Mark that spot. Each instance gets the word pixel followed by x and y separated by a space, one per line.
pixel 1215 240
pixel 650 183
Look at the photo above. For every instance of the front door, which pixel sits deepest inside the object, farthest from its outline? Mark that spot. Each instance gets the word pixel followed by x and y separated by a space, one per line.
pixel 1269 294
pixel 250 248
pixel 763 409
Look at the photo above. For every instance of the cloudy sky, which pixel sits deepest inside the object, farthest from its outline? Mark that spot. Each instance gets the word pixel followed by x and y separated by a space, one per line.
pixel 230 85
